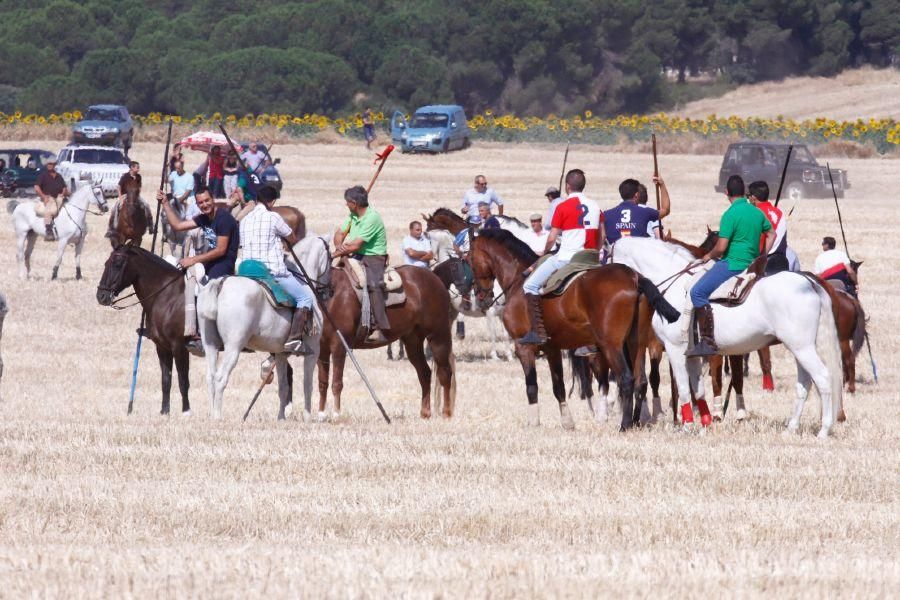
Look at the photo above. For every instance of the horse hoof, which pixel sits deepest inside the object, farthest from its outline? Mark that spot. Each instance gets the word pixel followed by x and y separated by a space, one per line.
pixel 841 417
pixel 565 417
pixel 321 416
pixel 823 434
pixel 534 415
pixel 186 413
pixel 741 414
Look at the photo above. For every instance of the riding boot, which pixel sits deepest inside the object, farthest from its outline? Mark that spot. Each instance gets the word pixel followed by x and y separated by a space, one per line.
pixel 537 335
pixel 706 344
pixel 49 234
pixel 294 344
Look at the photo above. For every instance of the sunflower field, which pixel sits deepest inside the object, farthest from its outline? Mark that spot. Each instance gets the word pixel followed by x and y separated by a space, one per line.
pixel 882 134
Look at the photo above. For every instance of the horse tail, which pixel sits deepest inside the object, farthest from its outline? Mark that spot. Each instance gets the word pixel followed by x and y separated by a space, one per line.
pixel 657 300
pixel 828 346
pixel 859 331
pixel 208 305
pixel 581 374
pixel 11 206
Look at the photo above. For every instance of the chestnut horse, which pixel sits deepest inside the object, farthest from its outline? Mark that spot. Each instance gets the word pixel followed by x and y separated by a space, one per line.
pixel 132 221
pixel 425 315
pixel 601 308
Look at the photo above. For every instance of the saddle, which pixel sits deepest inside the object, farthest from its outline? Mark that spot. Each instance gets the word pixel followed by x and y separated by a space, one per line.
pixel 275 294
pixel 735 291
pixel 40 209
pixel 392 284
pixel 581 263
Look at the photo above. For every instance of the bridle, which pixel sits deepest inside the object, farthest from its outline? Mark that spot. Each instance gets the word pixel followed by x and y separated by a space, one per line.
pixel 113 286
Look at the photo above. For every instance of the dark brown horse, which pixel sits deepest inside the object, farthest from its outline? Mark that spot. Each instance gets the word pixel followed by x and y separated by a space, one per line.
pixel 425 315
pixel 132 221
pixel 601 308
pixel 160 288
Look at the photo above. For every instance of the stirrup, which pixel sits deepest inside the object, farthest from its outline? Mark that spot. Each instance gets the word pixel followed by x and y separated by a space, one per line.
pixel 376 336
pixel 586 351
pixel 701 348
pixel 297 348
pixel 195 347
pixel 531 339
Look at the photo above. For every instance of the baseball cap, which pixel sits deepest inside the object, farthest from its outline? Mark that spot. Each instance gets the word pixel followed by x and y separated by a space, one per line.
pixel 535 217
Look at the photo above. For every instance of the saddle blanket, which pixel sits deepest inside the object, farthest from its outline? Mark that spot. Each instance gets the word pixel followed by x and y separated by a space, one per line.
pixel 393 285
pixel 560 281
pixel 256 270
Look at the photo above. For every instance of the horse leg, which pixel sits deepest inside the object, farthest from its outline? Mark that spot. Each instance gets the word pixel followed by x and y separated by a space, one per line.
pixel 324 364
pixel 337 381
pixel 526 357
pixel 809 361
pixel 849 364
pixel 802 391
pixel 165 368
pixel 30 239
pixel 183 365
pixel 654 379
pixel 673 390
pixel 765 363
pixel 416 354
pixel 492 330
pixel 601 373
pixel 737 383
pixel 715 374
pixel 283 371
pixel 60 250
pixel 20 255
pixel 554 360
pixel 442 352
pixel 309 364
pixel 223 373
pixel 79 246
pixel 625 380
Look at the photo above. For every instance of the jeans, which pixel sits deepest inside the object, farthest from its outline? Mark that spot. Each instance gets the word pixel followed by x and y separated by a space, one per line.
pixel 216 187
pixel 540 275
pixel 300 291
pixel 230 183
pixel 719 274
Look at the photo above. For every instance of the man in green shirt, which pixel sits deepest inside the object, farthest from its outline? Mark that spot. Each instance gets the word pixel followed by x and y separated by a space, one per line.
pixel 362 236
pixel 739 231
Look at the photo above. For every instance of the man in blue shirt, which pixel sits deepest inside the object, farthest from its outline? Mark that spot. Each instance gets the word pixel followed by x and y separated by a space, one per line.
pixel 630 218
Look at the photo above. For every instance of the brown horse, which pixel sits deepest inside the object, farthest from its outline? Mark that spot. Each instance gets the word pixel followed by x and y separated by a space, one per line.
pixel 425 315
pixel 160 288
pixel 132 222
pixel 601 308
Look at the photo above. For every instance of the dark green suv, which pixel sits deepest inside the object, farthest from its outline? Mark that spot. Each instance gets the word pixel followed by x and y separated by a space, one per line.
pixel 22 166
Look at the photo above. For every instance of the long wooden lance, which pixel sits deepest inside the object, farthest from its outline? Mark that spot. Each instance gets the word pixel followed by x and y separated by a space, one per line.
pixel 656 184
pixel 140 331
pixel 563 172
pixel 787 160
pixel 854 264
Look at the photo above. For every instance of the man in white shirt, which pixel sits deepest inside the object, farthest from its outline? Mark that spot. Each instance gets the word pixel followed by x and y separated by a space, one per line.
pixel 416 247
pixel 261 233
pixel 538 239
pixel 835 264
pixel 555 199
pixel 253 157
pixel 480 193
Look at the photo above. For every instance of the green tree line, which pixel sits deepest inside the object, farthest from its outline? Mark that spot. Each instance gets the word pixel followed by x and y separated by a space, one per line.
pixel 524 56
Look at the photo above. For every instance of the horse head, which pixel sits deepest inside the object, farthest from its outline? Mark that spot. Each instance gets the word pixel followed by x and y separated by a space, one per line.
pixel 116 275
pixel 444 218
pixel 712 237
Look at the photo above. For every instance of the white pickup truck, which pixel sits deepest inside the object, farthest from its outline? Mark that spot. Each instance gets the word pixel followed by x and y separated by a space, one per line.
pixel 104 164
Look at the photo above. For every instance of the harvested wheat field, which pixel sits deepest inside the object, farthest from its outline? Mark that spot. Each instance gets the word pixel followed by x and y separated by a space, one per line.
pixel 854 94
pixel 97 504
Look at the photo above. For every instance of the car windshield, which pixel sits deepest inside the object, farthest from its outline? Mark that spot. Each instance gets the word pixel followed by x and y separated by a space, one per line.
pixel 428 120
pixel 799 155
pixel 100 157
pixel 102 114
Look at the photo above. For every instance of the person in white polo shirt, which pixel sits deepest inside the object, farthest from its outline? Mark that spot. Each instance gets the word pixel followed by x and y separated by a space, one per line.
pixel 480 193
pixel 835 264
pixel 416 247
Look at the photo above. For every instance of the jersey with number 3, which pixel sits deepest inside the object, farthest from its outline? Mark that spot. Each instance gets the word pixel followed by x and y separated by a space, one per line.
pixel 628 219
pixel 579 218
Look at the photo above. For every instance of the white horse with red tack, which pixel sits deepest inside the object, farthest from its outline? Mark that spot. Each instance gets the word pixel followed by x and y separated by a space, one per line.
pixel 786 307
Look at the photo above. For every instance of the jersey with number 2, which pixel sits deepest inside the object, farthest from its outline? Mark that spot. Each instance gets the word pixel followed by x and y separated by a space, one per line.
pixel 579 219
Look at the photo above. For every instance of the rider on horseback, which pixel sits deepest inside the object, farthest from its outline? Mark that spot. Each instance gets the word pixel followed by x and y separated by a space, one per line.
pixel 576 223
pixel 740 229
pixel 221 233
pixel 261 233
pixel 48 187
pixel 128 182
pixel 363 236
pixel 777 261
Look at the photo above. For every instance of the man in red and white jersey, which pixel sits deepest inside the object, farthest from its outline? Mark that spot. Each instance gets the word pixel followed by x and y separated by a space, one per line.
pixel 759 197
pixel 576 223
pixel 835 264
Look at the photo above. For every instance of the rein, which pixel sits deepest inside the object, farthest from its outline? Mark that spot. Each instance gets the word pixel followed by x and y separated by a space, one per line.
pixel 115 304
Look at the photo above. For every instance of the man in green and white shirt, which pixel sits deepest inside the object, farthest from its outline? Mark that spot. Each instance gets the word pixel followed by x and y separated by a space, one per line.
pixel 363 236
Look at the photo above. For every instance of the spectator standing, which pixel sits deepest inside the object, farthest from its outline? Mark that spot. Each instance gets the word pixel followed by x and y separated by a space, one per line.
pixel 416 247
pixel 480 193
pixel 216 172
pixel 182 185
pixel 538 241
pixel 177 155
pixel 253 157
pixel 368 120
pixel 230 169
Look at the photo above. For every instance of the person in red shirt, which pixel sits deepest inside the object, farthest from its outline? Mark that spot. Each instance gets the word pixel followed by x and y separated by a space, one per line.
pixel 759 197
pixel 216 180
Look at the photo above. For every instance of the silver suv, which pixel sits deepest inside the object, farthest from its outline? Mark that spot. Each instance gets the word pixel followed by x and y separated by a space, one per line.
pixel 105 124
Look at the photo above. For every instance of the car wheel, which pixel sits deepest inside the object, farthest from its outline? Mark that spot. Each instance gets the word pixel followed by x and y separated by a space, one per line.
pixel 794 191
pixel 446 146
pixel 466 143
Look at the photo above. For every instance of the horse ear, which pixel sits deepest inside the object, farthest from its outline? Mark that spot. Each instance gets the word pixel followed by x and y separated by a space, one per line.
pixel 708 230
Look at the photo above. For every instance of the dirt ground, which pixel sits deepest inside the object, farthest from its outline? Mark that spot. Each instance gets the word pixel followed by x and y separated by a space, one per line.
pixel 97 504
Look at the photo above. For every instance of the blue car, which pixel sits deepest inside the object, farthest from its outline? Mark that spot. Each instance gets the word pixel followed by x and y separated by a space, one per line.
pixel 437 128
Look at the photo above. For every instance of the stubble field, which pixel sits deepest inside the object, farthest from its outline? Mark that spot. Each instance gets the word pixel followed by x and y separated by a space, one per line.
pixel 97 504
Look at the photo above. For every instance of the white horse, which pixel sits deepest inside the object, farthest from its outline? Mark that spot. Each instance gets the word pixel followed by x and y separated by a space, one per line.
pixel 786 307
pixel 234 314
pixel 70 227
pixel 468 306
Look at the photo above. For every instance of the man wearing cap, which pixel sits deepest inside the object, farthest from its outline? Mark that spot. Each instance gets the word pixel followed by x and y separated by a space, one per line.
pixel 480 193
pixel 538 239
pixel 554 197
pixel 49 187
pixel 835 264
pixel 363 236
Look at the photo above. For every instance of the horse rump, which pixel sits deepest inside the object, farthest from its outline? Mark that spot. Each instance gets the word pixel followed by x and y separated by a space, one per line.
pixel 11 206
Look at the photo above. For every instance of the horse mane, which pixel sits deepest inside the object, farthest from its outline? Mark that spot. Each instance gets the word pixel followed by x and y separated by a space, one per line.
pixel 513 219
pixel 446 212
pixel 696 251
pixel 516 247
pixel 149 256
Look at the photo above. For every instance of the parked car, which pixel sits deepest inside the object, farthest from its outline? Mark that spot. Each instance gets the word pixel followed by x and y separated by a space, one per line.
pixel 437 128
pixel 21 167
pixel 805 178
pixel 105 165
pixel 105 124
pixel 268 175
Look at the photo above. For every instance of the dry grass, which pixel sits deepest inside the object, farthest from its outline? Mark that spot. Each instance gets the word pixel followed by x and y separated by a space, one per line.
pixel 854 94
pixel 95 504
